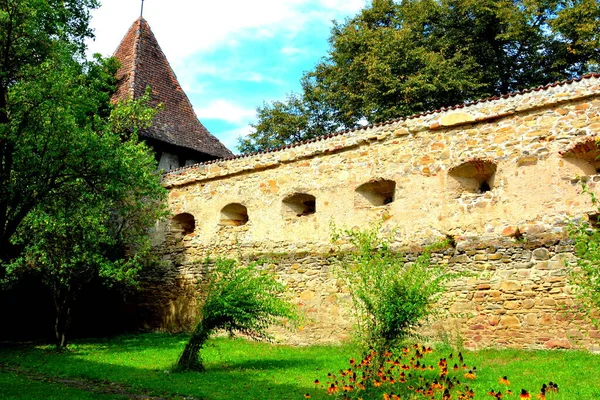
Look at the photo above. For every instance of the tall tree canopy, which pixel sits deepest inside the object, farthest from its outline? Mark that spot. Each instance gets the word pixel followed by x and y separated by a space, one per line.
pixel 38 38
pixel 78 191
pixel 395 59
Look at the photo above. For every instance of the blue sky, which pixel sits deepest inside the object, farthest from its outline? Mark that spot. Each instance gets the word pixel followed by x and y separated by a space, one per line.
pixel 230 56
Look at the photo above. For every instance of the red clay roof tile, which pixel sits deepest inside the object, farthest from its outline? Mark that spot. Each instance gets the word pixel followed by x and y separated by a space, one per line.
pixel 144 64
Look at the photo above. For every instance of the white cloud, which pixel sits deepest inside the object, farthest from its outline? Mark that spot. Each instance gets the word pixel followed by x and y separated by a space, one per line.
pixel 291 51
pixel 185 27
pixel 226 111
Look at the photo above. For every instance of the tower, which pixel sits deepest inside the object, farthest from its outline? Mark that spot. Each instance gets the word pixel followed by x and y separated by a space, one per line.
pixel 177 137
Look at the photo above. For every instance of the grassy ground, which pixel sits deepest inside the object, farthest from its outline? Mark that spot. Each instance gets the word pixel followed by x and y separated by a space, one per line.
pixel 238 369
pixel 14 386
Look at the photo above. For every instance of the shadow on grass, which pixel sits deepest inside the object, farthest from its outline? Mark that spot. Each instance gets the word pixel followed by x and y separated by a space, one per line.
pixel 143 364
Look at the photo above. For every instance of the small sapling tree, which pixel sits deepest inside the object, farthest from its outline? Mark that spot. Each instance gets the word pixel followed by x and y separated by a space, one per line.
pixel 391 296
pixel 242 299
pixel 586 274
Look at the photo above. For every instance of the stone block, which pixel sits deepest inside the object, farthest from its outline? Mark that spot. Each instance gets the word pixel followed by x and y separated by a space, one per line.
pixel 557 344
pixel 541 254
pixel 511 305
pixel 528 304
pixel 510 286
pixel 455 118
pixel 510 322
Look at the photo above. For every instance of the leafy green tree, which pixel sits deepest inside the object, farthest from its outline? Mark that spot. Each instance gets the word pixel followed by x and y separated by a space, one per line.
pixel 78 191
pixel 285 122
pixel 240 299
pixel 40 42
pixel 93 224
pixel 391 297
pixel 395 59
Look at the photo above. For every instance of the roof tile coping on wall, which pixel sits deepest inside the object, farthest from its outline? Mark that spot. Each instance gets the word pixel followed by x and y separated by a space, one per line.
pixel 481 111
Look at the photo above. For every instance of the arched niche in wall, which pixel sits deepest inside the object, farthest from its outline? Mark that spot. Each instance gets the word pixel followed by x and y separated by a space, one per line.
pixel 378 192
pixel 183 224
pixel 583 157
pixel 234 214
pixel 474 176
pixel 299 205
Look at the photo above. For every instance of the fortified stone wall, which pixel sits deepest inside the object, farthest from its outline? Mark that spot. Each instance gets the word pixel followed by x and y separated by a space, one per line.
pixel 500 177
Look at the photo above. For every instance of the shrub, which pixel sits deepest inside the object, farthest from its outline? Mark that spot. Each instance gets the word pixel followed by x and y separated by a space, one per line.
pixel 242 299
pixel 391 297
pixel 586 275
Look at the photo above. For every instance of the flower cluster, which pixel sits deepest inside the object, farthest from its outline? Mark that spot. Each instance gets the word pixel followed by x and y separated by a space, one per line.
pixel 410 374
pixel 393 377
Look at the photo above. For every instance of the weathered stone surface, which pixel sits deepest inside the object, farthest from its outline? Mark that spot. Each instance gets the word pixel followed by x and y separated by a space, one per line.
pixel 558 344
pixel 541 254
pixel 510 321
pixel 456 118
pixel 508 236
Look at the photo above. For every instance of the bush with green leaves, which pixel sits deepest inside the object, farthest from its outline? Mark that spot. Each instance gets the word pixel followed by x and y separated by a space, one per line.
pixel 239 299
pixel 586 274
pixel 391 297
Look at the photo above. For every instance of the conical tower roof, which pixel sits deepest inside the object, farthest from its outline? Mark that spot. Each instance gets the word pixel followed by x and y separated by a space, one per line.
pixel 144 64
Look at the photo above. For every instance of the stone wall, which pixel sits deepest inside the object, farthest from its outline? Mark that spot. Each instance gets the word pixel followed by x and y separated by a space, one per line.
pixel 501 177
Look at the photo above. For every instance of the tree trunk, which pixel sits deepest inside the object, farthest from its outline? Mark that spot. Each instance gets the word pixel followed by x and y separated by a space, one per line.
pixel 63 298
pixel 190 358
pixel 61 326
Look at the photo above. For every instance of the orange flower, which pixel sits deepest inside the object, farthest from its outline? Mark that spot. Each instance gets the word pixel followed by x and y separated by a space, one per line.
pixel 332 389
pixel 524 394
pixel 317 382
pixel 470 375
pixel 446 395
pixel 504 381
pixel 306 396
pixel 376 383
pixel 352 361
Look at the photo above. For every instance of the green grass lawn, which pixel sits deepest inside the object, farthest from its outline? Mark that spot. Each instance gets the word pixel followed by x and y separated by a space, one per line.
pixel 13 386
pixel 239 369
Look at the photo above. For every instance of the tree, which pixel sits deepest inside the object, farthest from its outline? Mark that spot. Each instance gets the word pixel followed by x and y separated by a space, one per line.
pixel 78 191
pixel 396 59
pixel 94 221
pixel 40 41
pixel 391 297
pixel 240 299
